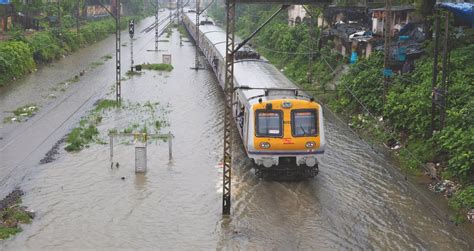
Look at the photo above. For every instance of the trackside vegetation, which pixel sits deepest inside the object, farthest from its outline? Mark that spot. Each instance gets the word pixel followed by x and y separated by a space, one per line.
pixel 22 54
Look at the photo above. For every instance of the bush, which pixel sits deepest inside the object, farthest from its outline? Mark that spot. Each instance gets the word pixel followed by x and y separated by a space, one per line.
pixel 16 59
pixel 45 47
pixel 365 81
pixel 463 198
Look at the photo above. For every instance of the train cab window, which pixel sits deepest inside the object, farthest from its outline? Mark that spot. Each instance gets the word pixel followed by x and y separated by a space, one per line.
pixel 303 123
pixel 269 123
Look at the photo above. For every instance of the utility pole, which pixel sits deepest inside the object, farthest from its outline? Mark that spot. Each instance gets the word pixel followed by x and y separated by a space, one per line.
pixel 157 30
pixel 77 16
pixel 59 14
pixel 387 72
pixel 444 83
pixel 178 6
pixel 131 32
pixel 434 80
pixel 229 93
pixel 196 55
pixel 311 46
pixel 116 15
pixel 118 87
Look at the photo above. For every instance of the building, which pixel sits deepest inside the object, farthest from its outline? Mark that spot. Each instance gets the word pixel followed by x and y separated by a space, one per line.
pixel 296 14
pixel 401 15
pixel 6 16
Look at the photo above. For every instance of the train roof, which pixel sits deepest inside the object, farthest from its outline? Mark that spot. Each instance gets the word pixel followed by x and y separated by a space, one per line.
pixel 252 73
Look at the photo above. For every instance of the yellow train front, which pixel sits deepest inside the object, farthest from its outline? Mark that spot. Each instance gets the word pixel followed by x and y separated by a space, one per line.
pixel 282 134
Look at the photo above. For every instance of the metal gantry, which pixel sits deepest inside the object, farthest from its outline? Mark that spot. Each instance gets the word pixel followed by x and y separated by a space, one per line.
pixel 157 31
pixel 387 48
pixel 118 87
pixel 229 93
pixel 196 55
pixel 115 13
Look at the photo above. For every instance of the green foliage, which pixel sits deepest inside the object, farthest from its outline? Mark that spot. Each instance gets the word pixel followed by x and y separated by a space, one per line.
pixel 20 55
pixel 16 59
pixel 408 106
pixel 364 83
pixel 10 217
pixel 408 109
pixel 284 46
pixel 459 145
pixel 463 199
pixel 157 67
pixel 5 232
pixel 80 137
pixel 106 104
pixel 22 217
pixel 22 113
pixel 45 47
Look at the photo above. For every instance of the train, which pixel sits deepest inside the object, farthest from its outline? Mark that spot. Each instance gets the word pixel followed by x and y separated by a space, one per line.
pixel 281 126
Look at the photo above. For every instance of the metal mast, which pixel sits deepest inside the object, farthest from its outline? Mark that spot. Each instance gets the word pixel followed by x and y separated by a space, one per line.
pixel 229 91
pixel 196 56
pixel 387 49
pixel 118 88
pixel 157 31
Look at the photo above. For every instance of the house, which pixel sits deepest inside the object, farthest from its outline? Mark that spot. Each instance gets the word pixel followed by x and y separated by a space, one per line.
pixel 296 14
pixel 6 16
pixel 401 15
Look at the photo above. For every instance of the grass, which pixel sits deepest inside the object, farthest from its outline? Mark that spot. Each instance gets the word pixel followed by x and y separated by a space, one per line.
pixel 22 113
pixel 158 67
pixel 5 232
pixel 96 64
pixel 10 217
pixel 133 73
pixel 80 137
pixel 106 104
pixel 86 132
pixel 182 30
pixel 106 57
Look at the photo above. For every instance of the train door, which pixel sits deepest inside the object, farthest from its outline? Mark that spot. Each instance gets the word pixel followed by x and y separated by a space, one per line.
pixel 245 132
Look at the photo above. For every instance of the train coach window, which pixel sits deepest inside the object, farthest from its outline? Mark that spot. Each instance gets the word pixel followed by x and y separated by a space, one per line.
pixel 303 123
pixel 269 123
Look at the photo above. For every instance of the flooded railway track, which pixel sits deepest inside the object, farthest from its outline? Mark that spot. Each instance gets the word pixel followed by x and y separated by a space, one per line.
pixel 356 201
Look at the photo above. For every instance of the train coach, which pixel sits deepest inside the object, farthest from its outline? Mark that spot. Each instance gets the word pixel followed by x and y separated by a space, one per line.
pixel 281 127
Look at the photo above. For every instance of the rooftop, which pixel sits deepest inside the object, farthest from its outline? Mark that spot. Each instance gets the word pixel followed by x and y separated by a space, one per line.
pixel 397 8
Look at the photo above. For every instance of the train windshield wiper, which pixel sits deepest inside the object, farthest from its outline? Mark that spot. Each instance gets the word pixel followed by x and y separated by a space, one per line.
pixel 304 132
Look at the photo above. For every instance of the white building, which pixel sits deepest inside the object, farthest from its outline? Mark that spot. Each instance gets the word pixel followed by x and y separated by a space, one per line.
pixel 296 14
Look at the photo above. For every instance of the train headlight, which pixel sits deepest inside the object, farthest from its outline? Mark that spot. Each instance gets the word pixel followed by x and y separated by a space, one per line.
pixel 310 144
pixel 265 145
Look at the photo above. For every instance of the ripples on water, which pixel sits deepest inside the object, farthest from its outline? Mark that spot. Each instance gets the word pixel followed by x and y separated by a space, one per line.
pixel 354 203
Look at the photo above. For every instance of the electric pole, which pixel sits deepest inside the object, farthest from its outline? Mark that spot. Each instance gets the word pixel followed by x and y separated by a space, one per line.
pixel 157 30
pixel 444 84
pixel 196 55
pixel 387 71
pixel 228 118
pixel 311 45
pixel 131 32
pixel 77 16
pixel 118 87
pixel 434 80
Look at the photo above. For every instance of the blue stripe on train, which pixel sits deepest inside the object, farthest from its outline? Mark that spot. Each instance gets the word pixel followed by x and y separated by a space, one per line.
pixel 286 153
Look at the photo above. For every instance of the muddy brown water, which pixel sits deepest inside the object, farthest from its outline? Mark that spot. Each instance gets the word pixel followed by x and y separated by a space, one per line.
pixel 358 201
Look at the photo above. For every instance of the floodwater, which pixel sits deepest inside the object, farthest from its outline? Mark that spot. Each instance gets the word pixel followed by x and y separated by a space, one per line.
pixel 359 200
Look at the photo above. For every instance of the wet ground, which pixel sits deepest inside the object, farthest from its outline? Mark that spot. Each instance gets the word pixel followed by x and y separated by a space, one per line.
pixel 358 201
